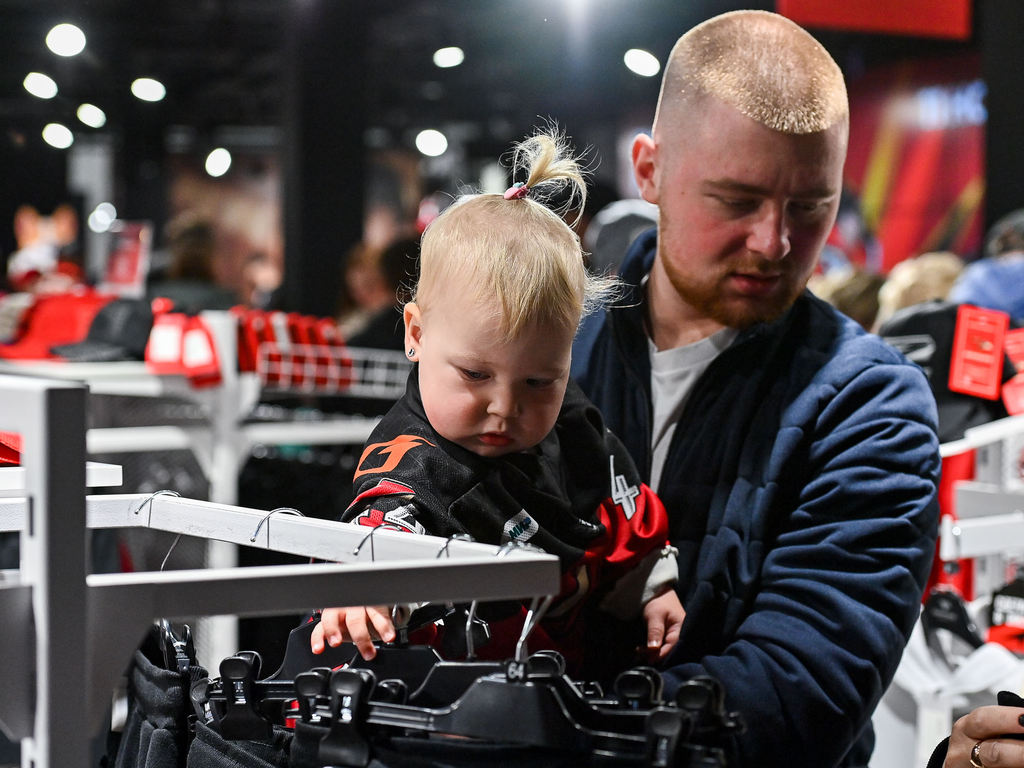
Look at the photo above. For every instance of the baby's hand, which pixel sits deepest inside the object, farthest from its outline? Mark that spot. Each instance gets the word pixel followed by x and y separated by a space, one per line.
pixel 664 615
pixel 360 625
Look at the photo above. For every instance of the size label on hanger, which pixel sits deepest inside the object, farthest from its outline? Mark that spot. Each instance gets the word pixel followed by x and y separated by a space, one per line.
pixel 1014 346
pixel 1013 395
pixel 976 367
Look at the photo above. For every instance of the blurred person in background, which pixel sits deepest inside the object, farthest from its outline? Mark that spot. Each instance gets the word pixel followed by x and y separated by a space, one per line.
pixel 189 281
pixel 397 270
pixel 997 281
pixel 913 281
pixel 362 288
pixel 44 261
pixel 614 229
pixel 854 293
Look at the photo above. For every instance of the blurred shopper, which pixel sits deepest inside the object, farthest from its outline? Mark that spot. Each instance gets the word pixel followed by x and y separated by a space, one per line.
pixel 997 281
pixel 189 283
pixel 397 269
pixel 43 262
pixel 613 229
pixel 854 293
pixel 927 277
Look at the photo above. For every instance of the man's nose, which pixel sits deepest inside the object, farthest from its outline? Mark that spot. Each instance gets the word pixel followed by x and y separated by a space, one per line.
pixel 769 236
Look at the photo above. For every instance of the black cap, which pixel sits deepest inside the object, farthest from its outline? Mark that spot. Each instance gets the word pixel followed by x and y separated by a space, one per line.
pixel 120 331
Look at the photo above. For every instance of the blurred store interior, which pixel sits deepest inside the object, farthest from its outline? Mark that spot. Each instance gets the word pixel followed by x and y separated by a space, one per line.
pixel 264 154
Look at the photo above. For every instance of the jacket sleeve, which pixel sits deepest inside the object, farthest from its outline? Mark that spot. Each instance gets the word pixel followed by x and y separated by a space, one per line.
pixel 843 576
pixel 636 562
pixel 387 502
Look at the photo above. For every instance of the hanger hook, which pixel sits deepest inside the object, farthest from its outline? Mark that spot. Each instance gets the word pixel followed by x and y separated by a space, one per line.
pixel 538 607
pixel 369 537
pixel 470 646
pixel 455 537
pixel 266 519
pixel 149 500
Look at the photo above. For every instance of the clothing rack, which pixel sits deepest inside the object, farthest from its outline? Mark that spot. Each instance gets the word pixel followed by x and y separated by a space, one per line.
pixel 65 637
pixel 989 508
pixel 220 446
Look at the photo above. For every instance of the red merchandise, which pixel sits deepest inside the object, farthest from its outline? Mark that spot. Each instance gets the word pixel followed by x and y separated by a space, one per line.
pixel 925 18
pixel 163 353
pixel 55 320
pixel 199 359
pixel 959 575
pixel 10 449
pixel 976 367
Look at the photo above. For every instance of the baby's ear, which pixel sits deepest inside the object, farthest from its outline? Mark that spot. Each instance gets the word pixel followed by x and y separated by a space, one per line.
pixel 413 328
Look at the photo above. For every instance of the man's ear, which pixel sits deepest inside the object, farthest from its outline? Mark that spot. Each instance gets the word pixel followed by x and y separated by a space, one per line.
pixel 645 167
pixel 413 330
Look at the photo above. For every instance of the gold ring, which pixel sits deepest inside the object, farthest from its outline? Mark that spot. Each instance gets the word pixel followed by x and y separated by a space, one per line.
pixel 976 756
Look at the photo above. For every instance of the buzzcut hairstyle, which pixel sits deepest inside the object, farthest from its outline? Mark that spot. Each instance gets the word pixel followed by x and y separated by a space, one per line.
pixel 762 65
pixel 519 259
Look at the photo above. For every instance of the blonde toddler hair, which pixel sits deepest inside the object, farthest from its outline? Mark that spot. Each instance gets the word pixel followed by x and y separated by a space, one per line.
pixel 760 64
pixel 519 258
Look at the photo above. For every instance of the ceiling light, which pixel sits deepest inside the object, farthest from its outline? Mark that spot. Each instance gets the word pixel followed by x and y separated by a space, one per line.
pixel 641 62
pixel 218 162
pixel 148 89
pixel 102 217
pixel 449 57
pixel 40 85
pixel 57 135
pixel 92 116
pixel 66 40
pixel 431 143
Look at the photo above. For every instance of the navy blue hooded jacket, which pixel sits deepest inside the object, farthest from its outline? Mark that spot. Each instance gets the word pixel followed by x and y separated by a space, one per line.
pixel 800 486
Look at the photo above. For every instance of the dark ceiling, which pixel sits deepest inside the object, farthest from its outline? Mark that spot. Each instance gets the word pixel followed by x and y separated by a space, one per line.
pixel 224 62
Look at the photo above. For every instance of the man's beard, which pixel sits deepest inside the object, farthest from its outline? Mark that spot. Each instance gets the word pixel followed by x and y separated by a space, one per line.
pixel 734 310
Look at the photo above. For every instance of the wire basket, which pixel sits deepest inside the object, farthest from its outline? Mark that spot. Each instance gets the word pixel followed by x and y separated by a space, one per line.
pixel 320 369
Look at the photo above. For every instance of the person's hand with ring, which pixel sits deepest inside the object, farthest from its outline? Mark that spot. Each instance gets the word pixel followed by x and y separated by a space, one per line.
pixel 979 739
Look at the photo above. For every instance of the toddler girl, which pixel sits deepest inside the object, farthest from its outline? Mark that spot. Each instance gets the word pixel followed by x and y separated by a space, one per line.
pixel 493 440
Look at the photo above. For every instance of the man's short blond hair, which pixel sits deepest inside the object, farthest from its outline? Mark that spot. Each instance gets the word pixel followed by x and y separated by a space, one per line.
pixel 518 258
pixel 760 64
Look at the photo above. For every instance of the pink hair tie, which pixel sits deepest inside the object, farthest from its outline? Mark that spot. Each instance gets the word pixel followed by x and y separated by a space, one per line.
pixel 517 191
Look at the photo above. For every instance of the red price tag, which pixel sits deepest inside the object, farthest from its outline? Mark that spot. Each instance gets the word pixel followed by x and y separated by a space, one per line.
pixel 1014 346
pixel 976 367
pixel 1013 395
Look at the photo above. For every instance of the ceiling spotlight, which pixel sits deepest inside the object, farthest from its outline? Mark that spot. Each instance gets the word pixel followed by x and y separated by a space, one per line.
pixel 102 217
pixel 431 143
pixel 218 162
pixel 92 116
pixel 66 40
pixel 57 135
pixel 40 85
pixel 641 62
pixel 148 89
pixel 449 57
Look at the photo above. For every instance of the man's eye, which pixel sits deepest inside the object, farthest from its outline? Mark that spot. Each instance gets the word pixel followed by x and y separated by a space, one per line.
pixel 806 207
pixel 737 203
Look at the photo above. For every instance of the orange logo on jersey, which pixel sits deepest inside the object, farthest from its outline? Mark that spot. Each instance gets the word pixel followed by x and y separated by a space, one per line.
pixel 393 449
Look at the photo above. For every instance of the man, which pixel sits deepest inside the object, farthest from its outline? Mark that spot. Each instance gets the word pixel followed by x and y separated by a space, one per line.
pixel 796 454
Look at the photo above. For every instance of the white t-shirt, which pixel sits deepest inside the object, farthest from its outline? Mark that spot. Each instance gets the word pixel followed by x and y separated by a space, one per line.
pixel 673 374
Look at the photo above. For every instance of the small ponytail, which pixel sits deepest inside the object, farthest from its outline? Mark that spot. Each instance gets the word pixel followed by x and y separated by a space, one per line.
pixel 549 166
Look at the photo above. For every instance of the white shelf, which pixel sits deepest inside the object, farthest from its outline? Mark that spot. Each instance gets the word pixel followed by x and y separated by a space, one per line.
pixel 97 475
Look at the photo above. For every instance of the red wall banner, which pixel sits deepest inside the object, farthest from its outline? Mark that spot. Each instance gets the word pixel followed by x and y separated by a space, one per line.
pixel 925 18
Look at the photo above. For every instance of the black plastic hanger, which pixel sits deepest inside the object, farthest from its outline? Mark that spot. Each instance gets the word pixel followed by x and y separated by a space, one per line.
pixel 946 610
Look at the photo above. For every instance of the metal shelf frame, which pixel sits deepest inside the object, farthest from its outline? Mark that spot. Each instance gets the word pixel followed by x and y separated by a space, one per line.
pixel 990 509
pixel 65 636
